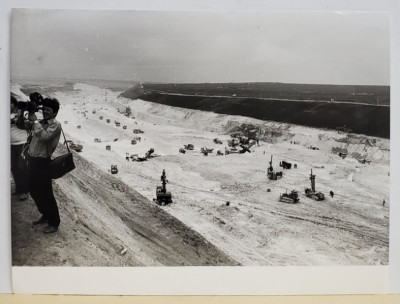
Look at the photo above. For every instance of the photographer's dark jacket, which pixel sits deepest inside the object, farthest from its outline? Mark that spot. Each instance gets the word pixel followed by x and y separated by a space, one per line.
pixel 45 137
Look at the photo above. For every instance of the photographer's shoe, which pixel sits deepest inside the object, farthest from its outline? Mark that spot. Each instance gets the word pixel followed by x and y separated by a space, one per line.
pixel 50 229
pixel 40 221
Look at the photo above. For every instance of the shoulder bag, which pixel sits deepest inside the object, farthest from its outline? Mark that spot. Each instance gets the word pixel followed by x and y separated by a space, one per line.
pixel 62 164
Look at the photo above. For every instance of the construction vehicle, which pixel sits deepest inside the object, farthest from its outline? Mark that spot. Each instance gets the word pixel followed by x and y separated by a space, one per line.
pixel 97 140
pixel 76 147
pixel 108 120
pixel 205 151
pixel 219 152
pixel 108 147
pixel 285 165
pixel 244 140
pixel 163 197
pixel 291 198
pixel 181 150
pixel 364 161
pixel 114 169
pixel 272 175
pixel 149 154
pixel 137 131
pixel 133 141
pixel 188 147
pixel 231 151
pixel 311 193
pixel 117 123
pixel 246 147
pixel 101 117
pixel 217 141
pixel 233 142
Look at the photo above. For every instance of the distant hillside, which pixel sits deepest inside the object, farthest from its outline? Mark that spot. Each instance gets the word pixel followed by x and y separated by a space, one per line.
pixel 362 119
pixel 275 90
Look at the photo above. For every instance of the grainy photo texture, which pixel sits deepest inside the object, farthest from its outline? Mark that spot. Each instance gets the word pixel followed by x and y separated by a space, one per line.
pixel 200 139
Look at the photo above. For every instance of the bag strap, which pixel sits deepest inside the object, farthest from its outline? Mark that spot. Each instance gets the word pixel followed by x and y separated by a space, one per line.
pixel 65 140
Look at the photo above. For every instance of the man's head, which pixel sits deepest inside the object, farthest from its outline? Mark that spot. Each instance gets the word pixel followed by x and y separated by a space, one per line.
pixel 50 108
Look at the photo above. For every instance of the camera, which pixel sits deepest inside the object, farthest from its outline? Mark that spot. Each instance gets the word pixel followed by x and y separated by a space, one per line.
pixel 33 105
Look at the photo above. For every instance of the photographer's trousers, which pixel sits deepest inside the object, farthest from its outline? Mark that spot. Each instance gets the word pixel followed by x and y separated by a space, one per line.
pixel 41 189
pixel 18 169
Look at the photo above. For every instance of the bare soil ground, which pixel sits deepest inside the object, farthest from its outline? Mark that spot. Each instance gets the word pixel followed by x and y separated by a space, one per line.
pixel 110 220
pixel 106 223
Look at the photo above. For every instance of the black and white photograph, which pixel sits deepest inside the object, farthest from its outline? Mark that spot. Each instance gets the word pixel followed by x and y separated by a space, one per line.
pixel 199 138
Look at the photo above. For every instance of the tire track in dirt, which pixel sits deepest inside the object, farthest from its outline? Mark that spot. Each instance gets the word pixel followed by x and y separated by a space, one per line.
pixel 360 231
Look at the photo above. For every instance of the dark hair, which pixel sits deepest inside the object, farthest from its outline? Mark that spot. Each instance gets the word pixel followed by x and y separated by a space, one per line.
pixel 52 103
pixel 14 100
pixel 36 97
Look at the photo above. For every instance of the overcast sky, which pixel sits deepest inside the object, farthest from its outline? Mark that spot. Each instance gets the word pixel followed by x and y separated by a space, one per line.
pixel 329 48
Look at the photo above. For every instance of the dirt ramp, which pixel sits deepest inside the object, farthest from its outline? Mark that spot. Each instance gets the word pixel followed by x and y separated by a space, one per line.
pixel 104 222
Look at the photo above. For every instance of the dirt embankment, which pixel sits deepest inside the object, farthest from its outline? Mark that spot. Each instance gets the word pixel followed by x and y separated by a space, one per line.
pixel 361 119
pixel 104 222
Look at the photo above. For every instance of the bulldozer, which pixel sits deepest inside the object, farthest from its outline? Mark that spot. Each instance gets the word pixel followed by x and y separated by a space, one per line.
pixel 291 198
pixel 163 197
pixel 311 193
pixel 272 175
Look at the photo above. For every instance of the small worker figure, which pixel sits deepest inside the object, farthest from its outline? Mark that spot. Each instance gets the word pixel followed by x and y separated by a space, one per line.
pixel 383 203
pixel 331 193
pixel 127 156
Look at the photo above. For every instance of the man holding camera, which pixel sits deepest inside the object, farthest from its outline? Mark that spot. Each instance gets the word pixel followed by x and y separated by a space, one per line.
pixel 45 137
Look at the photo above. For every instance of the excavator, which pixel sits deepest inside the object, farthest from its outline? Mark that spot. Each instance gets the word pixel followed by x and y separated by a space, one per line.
pixel 149 154
pixel 311 193
pixel 163 197
pixel 245 148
